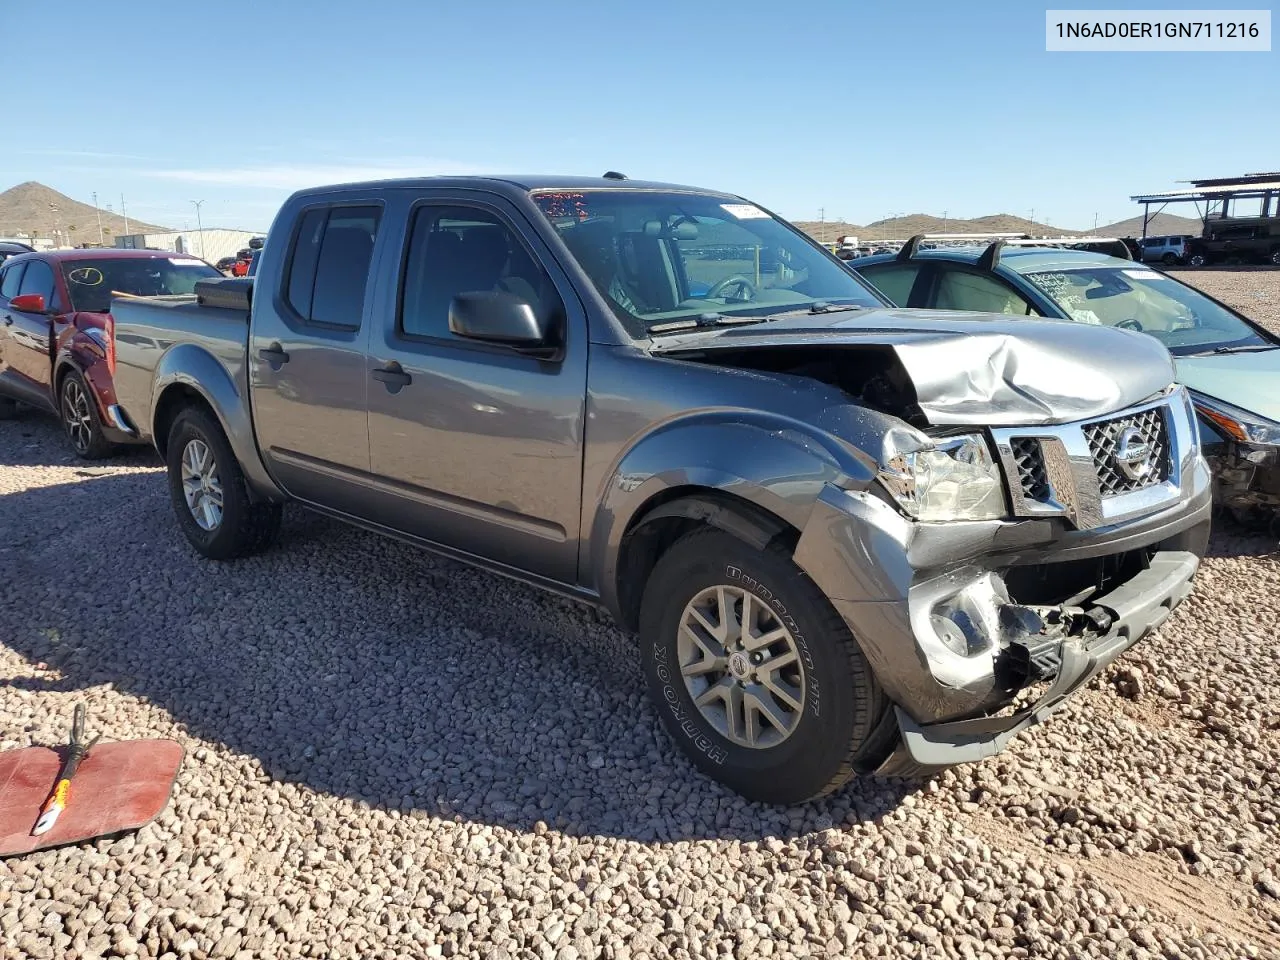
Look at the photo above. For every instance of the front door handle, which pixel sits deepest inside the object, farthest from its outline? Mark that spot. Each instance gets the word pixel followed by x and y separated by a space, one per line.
pixel 274 355
pixel 393 376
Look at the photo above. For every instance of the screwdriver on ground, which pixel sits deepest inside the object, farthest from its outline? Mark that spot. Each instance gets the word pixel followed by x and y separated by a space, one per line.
pixel 77 750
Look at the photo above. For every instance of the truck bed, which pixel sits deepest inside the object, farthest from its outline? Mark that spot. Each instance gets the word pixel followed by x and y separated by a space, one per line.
pixel 147 329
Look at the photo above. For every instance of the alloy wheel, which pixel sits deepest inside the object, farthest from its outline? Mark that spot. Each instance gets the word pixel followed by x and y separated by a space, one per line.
pixel 741 666
pixel 201 486
pixel 76 417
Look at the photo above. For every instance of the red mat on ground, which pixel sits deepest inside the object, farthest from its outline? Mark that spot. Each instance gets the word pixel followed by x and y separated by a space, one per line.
pixel 119 786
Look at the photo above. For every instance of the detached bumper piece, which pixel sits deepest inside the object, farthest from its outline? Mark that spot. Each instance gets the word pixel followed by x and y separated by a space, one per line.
pixel 1135 609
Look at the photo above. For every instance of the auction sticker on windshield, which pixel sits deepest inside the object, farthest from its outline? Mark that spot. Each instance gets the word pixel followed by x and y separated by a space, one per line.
pixel 744 211
pixel 1141 274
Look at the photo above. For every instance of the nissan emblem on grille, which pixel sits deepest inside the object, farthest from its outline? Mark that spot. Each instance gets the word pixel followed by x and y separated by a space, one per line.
pixel 1133 454
pixel 1130 452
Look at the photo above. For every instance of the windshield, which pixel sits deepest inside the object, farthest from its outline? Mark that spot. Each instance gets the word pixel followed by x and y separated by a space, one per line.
pixel 661 257
pixel 1134 298
pixel 92 283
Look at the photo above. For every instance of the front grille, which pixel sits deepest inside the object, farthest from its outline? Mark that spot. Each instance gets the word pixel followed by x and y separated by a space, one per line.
pixel 1146 431
pixel 1032 475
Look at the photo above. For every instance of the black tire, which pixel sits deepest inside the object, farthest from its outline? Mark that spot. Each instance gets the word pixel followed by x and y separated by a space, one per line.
pixel 1275 256
pixel 1170 259
pixel 78 410
pixel 8 408
pixel 1199 260
pixel 842 704
pixel 245 527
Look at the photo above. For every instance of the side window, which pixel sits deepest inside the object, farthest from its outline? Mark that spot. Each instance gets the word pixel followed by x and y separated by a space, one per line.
pixel 961 290
pixel 894 280
pixel 10 281
pixel 329 265
pixel 454 250
pixel 39 279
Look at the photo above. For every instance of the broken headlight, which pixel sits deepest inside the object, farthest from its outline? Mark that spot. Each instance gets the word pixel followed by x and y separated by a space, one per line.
pixel 955 478
pixel 1236 423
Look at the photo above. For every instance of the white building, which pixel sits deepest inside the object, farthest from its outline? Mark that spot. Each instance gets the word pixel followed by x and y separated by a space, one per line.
pixel 211 244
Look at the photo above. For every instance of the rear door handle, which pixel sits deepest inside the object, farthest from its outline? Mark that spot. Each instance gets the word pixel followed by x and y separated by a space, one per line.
pixel 8 320
pixel 274 355
pixel 393 376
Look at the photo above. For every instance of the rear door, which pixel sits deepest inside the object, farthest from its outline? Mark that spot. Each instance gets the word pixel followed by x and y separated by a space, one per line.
pixel 476 446
pixel 31 335
pixel 307 356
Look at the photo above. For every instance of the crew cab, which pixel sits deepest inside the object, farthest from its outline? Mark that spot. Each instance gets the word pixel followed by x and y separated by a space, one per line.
pixel 56 344
pixel 848 535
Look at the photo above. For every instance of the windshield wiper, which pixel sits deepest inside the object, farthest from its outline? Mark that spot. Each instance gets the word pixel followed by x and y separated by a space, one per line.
pixel 701 321
pixel 1246 348
pixel 706 320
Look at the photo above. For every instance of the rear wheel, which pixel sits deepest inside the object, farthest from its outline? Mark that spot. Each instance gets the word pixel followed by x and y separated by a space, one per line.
pixel 755 675
pixel 1275 256
pixel 209 494
pixel 80 421
pixel 1170 258
pixel 1198 260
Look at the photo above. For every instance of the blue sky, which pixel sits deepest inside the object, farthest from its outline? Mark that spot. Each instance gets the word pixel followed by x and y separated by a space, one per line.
pixel 863 108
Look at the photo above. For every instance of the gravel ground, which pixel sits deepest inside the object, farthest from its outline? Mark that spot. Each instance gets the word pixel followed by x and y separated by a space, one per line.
pixel 391 755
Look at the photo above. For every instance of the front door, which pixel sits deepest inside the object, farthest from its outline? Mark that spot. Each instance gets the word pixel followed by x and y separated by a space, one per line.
pixel 307 358
pixel 28 360
pixel 476 446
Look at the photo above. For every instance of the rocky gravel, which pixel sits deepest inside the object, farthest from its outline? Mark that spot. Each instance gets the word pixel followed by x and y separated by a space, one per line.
pixel 391 755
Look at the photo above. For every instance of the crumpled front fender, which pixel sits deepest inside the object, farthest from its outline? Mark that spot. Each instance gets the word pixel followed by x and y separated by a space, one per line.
pixel 771 462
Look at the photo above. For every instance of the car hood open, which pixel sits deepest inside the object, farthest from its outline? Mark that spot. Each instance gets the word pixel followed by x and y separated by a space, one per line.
pixel 1247 380
pixel 974 368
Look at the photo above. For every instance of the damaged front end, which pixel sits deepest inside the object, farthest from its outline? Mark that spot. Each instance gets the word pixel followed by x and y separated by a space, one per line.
pixel 960 618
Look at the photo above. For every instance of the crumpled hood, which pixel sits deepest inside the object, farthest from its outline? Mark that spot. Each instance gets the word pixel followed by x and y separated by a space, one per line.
pixel 977 368
pixel 1250 381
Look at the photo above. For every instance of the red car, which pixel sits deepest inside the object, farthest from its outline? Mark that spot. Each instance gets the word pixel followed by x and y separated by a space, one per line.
pixel 57 346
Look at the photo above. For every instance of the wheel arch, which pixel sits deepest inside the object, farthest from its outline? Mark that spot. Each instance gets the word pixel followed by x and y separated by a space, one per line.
pixel 189 376
pixel 667 517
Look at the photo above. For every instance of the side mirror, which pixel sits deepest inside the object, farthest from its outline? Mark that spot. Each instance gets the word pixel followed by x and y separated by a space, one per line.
pixel 28 303
pixel 500 318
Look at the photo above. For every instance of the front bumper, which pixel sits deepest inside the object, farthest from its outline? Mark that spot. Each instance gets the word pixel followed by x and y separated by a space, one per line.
pixel 890 579
pixel 1139 606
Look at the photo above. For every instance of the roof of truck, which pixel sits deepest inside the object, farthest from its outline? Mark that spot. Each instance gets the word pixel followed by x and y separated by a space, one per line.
pixel 521 181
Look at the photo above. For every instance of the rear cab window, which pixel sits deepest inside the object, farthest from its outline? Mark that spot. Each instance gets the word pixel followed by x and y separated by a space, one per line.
pixel 328 268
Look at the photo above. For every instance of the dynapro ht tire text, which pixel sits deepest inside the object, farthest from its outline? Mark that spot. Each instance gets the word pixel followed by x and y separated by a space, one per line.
pixel 210 499
pixel 754 674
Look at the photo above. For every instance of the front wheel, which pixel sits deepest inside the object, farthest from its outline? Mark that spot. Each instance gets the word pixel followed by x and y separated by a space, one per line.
pixel 209 494
pixel 80 421
pixel 1199 260
pixel 755 675
pixel 1275 256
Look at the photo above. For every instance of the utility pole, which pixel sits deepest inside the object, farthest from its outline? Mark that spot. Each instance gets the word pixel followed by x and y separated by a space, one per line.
pixel 125 215
pixel 945 221
pixel 57 224
pixel 822 220
pixel 199 226
pixel 1095 223
pixel 99 213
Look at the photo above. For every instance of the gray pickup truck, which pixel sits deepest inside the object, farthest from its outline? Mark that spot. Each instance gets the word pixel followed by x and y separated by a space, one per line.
pixel 851 538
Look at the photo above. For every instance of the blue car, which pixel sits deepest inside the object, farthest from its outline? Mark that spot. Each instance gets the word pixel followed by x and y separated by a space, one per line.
pixel 1230 364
